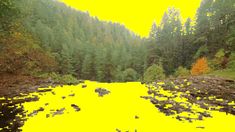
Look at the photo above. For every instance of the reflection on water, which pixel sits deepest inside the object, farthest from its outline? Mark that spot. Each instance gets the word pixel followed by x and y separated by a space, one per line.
pixel 107 107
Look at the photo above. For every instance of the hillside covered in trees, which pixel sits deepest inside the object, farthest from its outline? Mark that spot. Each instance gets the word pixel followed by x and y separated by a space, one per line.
pixel 49 38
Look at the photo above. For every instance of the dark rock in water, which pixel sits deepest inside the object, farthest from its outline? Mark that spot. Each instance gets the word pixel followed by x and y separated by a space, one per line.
pixel 75 107
pixel 154 101
pixel 81 81
pixel 41 109
pixel 118 130
pixel 45 90
pixel 35 112
pixel 150 92
pixel 84 86
pixel 178 118
pixel 228 109
pixel 232 111
pixel 47 115
pixel 200 117
pixel 205 114
pixel 137 117
pixel 168 112
pixel 146 97
pixel 212 108
pixel 101 91
pixel 201 127
pixel 204 106
pixel 58 112
pixel 71 95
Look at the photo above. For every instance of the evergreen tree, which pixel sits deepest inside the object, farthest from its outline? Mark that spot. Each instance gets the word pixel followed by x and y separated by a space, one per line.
pixel 66 61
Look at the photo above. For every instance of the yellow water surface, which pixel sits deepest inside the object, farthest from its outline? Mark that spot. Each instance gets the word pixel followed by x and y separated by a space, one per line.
pixel 122 109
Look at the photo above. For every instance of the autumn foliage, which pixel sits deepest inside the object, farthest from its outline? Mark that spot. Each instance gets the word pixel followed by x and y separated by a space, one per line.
pixel 20 54
pixel 200 67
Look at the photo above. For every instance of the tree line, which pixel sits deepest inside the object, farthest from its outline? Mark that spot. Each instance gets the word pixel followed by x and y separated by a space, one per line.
pixel 50 37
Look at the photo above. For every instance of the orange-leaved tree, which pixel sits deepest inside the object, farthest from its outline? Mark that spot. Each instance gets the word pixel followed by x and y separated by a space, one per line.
pixel 200 67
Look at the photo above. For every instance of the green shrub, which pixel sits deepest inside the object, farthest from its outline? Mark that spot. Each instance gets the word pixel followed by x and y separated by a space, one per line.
pixel 65 79
pixel 154 73
pixel 231 64
pixel 69 79
pixel 43 75
pixel 182 72
pixel 202 51
pixel 216 63
pixel 129 75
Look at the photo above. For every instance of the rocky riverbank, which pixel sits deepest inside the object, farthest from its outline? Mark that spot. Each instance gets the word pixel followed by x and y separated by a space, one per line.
pixel 192 98
pixel 181 100
pixel 11 86
pixel 16 85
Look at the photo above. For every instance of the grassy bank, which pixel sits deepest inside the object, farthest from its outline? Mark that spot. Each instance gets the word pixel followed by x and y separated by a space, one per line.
pixel 230 74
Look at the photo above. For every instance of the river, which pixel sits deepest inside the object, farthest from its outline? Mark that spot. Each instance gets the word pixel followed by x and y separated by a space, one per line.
pixel 112 108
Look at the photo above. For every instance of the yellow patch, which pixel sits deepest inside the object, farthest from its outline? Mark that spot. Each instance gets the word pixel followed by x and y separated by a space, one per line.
pixel 160 83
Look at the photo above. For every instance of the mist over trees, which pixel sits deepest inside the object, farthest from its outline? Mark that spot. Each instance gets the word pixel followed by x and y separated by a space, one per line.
pixel 49 36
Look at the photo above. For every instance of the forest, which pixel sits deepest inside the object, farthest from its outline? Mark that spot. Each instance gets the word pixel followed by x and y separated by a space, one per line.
pixel 48 38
